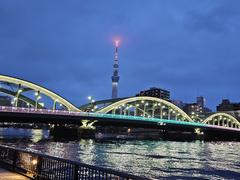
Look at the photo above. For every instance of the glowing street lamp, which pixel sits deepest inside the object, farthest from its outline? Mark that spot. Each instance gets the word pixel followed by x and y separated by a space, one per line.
pixel 94 108
pixel 144 109
pixel 125 110
pixel 91 102
pixel 34 161
pixel 161 111
pixel 38 97
pixel 153 109
pixel 135 109
pixel 17 96
pixel 169 113
pixel 28 105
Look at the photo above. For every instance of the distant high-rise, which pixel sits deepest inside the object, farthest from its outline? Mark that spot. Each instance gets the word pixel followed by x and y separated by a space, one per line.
pixel 115 77
pixel 226 105
pixel 156 92
pixel 201 101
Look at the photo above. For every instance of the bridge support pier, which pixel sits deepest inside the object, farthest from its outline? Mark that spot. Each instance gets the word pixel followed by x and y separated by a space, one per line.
pixel 73 132
pixel 59 132
pixel 221 136
pixel 199 134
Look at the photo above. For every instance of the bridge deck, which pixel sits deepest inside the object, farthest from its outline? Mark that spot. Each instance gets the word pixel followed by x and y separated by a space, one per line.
pixel 8 175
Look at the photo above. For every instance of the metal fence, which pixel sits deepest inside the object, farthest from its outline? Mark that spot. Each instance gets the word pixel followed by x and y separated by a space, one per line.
pixel 40 166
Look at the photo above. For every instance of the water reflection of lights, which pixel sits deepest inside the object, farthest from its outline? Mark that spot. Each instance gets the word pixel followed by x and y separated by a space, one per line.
pixel 153 159
pixel 37 135
pixel 86 151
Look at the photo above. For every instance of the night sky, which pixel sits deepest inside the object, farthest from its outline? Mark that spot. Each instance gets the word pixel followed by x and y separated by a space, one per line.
pixel 191 48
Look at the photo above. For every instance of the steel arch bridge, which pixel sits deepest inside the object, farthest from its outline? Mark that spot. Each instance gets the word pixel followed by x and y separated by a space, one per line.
pixel 222 119
pixel 21 97
pixel 23 86
pixel 147 107
pixel 141 106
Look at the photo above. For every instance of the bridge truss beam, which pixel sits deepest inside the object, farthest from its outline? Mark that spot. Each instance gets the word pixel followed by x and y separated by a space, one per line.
pixel 147 107
pixel 38 90
pixel 222 119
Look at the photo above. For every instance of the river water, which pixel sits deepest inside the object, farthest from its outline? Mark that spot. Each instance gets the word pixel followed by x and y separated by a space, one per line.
pixel 151 159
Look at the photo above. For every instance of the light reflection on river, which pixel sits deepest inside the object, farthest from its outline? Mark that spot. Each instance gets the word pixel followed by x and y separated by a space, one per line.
pixel 152 159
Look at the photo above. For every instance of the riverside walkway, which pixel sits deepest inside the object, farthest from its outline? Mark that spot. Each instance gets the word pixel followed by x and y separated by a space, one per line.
pixel 7 175
pixel 41 166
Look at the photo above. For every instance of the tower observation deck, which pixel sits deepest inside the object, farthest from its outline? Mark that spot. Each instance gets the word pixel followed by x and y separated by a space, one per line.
pixel 115 77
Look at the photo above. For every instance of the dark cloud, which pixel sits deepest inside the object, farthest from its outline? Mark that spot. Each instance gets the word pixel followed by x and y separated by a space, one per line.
pixel 188 47
pixel 222 18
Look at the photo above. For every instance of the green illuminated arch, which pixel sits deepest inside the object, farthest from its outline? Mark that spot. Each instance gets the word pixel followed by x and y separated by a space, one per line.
pixel 21 97
pixel 145 98
pixel 224 119
pixel 45 91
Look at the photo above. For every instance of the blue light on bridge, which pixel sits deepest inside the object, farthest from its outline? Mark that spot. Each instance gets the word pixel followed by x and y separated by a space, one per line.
pixel 156 120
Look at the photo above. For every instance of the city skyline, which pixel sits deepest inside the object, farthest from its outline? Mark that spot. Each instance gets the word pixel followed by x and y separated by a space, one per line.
pixel 124 89
pixel 187 48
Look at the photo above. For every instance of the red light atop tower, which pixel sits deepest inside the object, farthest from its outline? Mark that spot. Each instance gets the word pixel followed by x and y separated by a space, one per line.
pixel 117 43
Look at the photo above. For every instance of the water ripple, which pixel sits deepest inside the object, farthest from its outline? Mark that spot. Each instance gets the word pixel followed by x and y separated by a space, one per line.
pixel 152 159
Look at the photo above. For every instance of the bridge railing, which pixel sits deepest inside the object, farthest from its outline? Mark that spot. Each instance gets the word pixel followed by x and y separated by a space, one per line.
pixel 71 113
pixel 90 114
pixel 40 166
pixel 40 111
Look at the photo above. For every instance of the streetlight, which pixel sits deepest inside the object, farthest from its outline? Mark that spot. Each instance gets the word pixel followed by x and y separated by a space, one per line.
pixel 129 109
pixel 120 109
pixel 153 109
pixel 135 109
pixel 94 108
pixel 144 109
pixel 38 97
pixel 89 98
pixel 174 112
pixel 125 110
pixel 178 114
pixel 161 112
pixel 91 102
pixel 169 113
pixel 28 106
pixel 17 96
pixel 114 110
pixel 34 161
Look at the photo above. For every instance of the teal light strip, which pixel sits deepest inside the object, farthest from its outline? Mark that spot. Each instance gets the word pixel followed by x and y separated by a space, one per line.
pixel 156 120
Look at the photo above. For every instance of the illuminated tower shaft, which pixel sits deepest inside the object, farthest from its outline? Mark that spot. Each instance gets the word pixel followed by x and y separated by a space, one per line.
pixel 115 77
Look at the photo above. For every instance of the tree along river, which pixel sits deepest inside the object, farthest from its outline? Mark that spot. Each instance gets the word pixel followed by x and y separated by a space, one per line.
pixel 152 159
